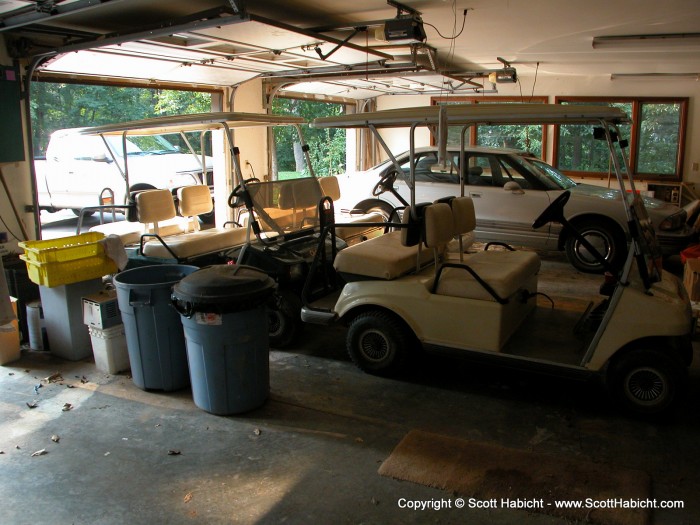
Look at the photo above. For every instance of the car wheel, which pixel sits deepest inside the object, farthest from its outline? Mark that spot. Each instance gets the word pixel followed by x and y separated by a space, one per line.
pixel 284 320
pixel 646 382
pixel 606 238
pixel 378 342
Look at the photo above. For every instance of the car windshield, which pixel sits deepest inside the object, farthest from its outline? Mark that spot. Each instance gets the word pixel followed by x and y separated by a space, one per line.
pixel 552 174
pixel 142 146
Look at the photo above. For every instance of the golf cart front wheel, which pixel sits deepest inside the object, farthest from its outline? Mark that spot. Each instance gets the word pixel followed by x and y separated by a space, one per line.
pixel 646 382
pixel 284 320
pixel 377 342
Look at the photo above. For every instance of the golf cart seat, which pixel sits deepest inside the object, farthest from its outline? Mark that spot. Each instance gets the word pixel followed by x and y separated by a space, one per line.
pixel 194 201
pixel 464 218
pixel 156 214
pixel 388 256
pixel 331 188
pixel 296 203
pixel 500 276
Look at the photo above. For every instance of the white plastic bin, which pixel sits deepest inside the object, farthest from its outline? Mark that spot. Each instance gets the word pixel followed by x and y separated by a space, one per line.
pixel 109 349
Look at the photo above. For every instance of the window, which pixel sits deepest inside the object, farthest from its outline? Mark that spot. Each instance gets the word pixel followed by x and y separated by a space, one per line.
pixel 656 139
pixel 326 146
pixel 525 138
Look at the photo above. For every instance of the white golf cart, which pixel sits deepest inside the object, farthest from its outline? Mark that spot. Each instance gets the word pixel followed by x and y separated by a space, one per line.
pixel 405 290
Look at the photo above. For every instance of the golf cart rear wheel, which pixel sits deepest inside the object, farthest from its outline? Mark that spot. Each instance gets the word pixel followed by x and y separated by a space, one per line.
pixel 646 382
pixel 604 237
pixel 284 320
pixel 378 342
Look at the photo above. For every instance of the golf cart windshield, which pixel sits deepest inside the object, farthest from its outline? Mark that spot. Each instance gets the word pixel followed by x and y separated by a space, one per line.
pixel 285 207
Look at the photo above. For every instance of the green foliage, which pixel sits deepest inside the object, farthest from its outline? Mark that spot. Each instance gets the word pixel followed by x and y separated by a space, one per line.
pixel 326 146
pixel 57 106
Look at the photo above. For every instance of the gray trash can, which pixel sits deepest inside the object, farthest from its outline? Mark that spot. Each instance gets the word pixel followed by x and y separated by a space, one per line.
pixel 154 336
pixel 224 315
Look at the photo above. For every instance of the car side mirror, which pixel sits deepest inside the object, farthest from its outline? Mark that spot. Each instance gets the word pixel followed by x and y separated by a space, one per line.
pixel 101 157
pixel 513 187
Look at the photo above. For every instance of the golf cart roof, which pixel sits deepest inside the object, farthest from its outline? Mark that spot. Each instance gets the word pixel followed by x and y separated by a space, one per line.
pixel 193 122
pixel 489 114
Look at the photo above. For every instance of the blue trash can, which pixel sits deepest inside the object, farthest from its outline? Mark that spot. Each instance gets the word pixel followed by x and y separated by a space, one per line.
pixel 224 315
pixel 154 335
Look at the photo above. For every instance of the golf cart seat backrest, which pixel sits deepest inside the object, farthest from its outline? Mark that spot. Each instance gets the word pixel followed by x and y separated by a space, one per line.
pixel 350 234
pixel 156 214
pixel 486 275
pixel 387 256
pixel 194 201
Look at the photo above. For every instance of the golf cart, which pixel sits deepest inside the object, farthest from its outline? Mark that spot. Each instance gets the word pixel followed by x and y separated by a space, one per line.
pixel 405 290
pixel 275 226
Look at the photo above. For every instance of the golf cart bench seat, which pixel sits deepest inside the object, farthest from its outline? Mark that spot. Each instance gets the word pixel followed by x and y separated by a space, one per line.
pixel 331 188
pixel 384 257
pixel 486 275
pixel 388 256
pixel 194 201
pixel 155 209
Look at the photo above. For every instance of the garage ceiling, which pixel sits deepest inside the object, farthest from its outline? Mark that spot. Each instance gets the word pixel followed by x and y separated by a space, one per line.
pixel 326 47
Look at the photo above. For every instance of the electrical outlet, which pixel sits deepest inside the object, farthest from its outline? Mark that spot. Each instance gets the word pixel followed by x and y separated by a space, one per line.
pixel 695 166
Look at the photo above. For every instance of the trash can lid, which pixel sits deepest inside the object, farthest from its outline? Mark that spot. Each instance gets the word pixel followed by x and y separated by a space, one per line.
pixel 236 286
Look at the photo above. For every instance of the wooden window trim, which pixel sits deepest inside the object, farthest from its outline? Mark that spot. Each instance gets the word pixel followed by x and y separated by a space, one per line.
pixel 633 149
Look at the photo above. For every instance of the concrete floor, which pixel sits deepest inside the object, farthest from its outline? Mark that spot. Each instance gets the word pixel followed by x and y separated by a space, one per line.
pixel 311 453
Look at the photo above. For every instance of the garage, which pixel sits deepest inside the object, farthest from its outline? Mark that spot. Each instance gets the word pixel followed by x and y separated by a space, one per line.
pixel 554 395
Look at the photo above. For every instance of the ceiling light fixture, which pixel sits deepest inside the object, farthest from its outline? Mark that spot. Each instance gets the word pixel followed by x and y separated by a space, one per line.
pixel 649 76
pixel 659 42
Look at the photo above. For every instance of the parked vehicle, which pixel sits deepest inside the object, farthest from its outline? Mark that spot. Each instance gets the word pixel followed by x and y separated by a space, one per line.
pixel 402 291
pixel 81 168
pixel 510 189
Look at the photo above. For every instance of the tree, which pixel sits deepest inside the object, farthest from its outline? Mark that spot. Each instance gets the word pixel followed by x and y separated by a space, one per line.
pixel 58 106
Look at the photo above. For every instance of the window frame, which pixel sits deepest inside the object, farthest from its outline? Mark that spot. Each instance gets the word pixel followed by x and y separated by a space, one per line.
pixel 634 139
pixel 474 131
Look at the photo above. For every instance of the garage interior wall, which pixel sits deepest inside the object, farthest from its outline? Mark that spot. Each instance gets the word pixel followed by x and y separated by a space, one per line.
pixel 18 181
pixel 253 142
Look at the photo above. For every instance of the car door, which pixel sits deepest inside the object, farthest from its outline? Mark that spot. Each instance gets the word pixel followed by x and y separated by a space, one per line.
pixel 507 200
pixel 432 183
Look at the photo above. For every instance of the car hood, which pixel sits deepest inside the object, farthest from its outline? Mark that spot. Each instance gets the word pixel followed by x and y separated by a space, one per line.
pixel 609 194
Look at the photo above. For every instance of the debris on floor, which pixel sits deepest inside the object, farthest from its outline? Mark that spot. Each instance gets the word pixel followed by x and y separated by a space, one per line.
pixel 41 452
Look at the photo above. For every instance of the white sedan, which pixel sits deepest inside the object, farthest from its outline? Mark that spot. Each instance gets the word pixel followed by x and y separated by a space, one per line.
pixel 510 189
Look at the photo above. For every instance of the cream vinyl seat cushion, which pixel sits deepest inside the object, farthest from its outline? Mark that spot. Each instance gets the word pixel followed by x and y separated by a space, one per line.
pixel 331 188
pixel 383 257
pixel 156 213
pixel 505 272
pixel 194 201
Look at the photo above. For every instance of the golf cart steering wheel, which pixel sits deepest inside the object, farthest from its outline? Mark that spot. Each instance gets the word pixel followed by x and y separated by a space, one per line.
pixel 233 198
pixel 554 212
pixel 386 183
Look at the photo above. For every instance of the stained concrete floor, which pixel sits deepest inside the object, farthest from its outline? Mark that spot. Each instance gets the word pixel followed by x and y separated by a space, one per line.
pixel 310 454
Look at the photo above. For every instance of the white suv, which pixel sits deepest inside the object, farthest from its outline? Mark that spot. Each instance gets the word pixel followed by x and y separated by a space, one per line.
pixel 79 168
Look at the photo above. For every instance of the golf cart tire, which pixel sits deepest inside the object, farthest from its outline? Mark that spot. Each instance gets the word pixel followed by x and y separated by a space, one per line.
pixel 646 382
pixel 284 322
pixel 596 230
pixel 378 342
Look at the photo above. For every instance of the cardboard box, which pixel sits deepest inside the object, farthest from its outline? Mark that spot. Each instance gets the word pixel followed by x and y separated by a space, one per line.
pixel 9 339
pixel 691 278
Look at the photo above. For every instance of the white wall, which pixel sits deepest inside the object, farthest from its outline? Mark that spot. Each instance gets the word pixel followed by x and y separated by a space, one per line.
pixel 559 85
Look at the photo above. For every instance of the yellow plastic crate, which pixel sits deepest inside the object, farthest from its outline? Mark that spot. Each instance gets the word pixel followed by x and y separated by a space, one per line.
pixel 63 248
pixel 67 272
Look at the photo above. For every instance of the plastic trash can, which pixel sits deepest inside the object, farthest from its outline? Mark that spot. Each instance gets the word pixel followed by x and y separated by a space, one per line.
pixel 154 335
pixel 224 315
